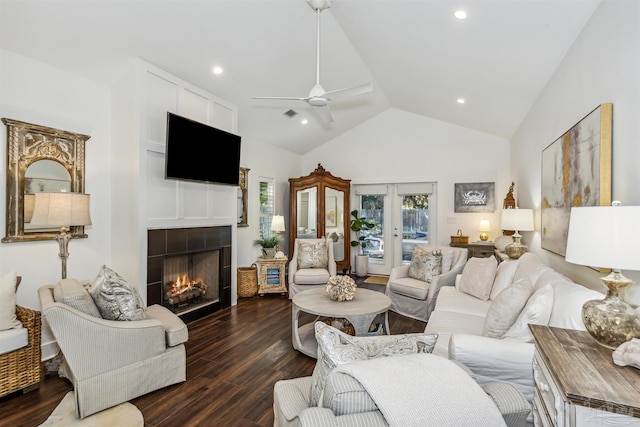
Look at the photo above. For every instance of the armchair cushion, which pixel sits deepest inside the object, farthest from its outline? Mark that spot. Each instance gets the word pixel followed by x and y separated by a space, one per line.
pixel 115 298
pixel 410 287
pixel 73 294
pixel 8 319
pixel 477 277
pixel 312 255
pixel 311 276
pixel 336 348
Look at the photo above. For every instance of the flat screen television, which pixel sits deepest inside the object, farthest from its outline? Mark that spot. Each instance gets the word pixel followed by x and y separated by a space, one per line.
pixel 201 153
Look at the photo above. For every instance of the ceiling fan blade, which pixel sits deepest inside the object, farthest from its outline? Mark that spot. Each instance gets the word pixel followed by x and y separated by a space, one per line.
pixel 349 92
pixel 325 113
pixel 282 98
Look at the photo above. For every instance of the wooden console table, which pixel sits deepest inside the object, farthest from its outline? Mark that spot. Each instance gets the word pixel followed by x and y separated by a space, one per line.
pixel 477 249
pixel 577 383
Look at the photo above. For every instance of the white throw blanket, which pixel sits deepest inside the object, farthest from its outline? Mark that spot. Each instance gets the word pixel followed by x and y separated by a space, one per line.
pixel 424 390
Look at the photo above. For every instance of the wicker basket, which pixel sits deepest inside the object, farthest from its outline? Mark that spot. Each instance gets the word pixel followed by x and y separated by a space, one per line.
pixel 459 238
pixel 247 281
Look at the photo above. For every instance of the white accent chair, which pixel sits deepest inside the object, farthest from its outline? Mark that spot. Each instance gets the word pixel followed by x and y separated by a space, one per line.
pixel 417 298
pixel 301 279
pixel 110 362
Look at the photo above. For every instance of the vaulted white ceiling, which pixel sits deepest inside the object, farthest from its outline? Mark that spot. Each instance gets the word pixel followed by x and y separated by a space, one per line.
pixel 418 56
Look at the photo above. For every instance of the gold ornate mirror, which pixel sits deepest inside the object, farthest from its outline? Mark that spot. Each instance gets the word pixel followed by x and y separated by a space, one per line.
pixel 40 158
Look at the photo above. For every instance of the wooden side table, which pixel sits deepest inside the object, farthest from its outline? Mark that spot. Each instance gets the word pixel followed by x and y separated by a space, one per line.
pixel 271 278
pixel 577 383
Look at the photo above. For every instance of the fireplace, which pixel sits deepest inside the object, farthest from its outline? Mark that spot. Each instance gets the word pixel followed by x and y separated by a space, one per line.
pixel 189 270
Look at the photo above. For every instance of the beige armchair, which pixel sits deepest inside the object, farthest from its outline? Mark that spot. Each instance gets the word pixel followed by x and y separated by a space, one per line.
pixel 110 362
pixel 417 298
pixel 301 279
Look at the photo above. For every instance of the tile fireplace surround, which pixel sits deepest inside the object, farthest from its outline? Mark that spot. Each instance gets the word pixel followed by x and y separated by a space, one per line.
pixel 169 242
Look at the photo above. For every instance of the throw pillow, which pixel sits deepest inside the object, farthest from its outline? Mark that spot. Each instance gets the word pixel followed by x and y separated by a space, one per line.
pixel 447 260
pixel 72 293
pixel 418 266
pixel 434 265
pixel 477 277
pixel 8 319
pixel 336 348
pixel 115 298
pixel 312 255
pixel 504 277
pixel 506 308
pixel 536 312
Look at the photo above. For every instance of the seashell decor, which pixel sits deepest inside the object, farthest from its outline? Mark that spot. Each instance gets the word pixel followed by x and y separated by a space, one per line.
pixel 341 288
pixel 628 354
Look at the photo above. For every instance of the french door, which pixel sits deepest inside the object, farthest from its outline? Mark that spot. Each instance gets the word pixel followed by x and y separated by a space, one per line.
pixel 404 215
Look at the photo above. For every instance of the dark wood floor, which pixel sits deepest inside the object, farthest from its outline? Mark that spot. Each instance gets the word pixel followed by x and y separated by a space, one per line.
pixel 233 359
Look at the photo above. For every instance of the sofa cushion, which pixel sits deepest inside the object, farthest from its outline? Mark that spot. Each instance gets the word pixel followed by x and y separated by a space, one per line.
pixel 336 348
pixel 477 277
pixel 72 293
pixel 409 287
pixel 444 323
pixel 504 310
pixel 312 254
pixel 450 299
pixel 311 276
pixel 530 266
pixel 537 311
pixel 115 298
pixel 568 298
pixel 8 319
pixel 13 339
pixel 504 277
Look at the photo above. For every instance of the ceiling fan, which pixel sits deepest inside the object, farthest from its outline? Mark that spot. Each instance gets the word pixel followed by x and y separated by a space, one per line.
pixel 318 97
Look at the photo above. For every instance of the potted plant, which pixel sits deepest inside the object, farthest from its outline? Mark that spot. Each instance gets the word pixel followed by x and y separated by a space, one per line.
pixel 359 224
pixel 269 245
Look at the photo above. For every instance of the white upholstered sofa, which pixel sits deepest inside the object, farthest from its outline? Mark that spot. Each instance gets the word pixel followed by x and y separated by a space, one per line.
pixel 417 298
pixel 459 320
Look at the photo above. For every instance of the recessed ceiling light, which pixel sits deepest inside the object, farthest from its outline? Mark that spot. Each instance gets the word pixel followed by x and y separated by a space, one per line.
pixel 460 14
pixel 460 101
pixel 304 121
pixel 217 70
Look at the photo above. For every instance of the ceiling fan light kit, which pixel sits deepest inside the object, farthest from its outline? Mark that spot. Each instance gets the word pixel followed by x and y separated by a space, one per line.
pixel 318 97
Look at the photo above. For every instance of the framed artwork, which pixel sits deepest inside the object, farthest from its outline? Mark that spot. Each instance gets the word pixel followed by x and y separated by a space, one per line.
pixel 475 197
pixel 331 211
pixel 576 171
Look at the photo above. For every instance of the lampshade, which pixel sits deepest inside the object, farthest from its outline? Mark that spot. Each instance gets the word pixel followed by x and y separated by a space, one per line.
pixel 277 223
pixel 604 236
pixel 485 225
pixel 517 219
pixel 61 209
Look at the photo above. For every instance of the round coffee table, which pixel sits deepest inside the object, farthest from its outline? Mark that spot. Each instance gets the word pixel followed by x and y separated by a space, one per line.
pixel 360 311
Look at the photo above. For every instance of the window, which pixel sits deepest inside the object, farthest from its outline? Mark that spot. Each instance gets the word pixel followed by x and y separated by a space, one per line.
pixel 267 210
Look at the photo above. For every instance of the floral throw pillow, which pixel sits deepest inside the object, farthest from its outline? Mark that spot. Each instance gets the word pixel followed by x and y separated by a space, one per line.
pixel 434 265
pixel 115 298
pixel 418 266
pixel 313 255
pixel 336 348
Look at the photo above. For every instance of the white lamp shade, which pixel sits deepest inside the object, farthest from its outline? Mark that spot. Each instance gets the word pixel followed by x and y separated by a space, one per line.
pixel 61 209
pixel 485 225
pixel 277 223
pixel 604 236
pixel 517 219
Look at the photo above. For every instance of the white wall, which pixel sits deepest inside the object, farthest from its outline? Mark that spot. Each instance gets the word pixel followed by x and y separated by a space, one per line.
pixel 268 161
pixel 397 146
pixel 34 92
pixel 602 66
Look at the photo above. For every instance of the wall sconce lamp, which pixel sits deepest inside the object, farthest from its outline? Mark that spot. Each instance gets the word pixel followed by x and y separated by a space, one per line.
pixel 61 210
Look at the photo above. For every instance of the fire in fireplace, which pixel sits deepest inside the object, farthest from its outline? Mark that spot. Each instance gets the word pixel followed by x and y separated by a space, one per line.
pixel 181 292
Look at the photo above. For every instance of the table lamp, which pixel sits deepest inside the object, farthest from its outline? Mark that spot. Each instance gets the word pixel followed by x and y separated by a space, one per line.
pixel 518 220
pixel 606 236
pixel 61 210
pixel 485 226
pixel 277 226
